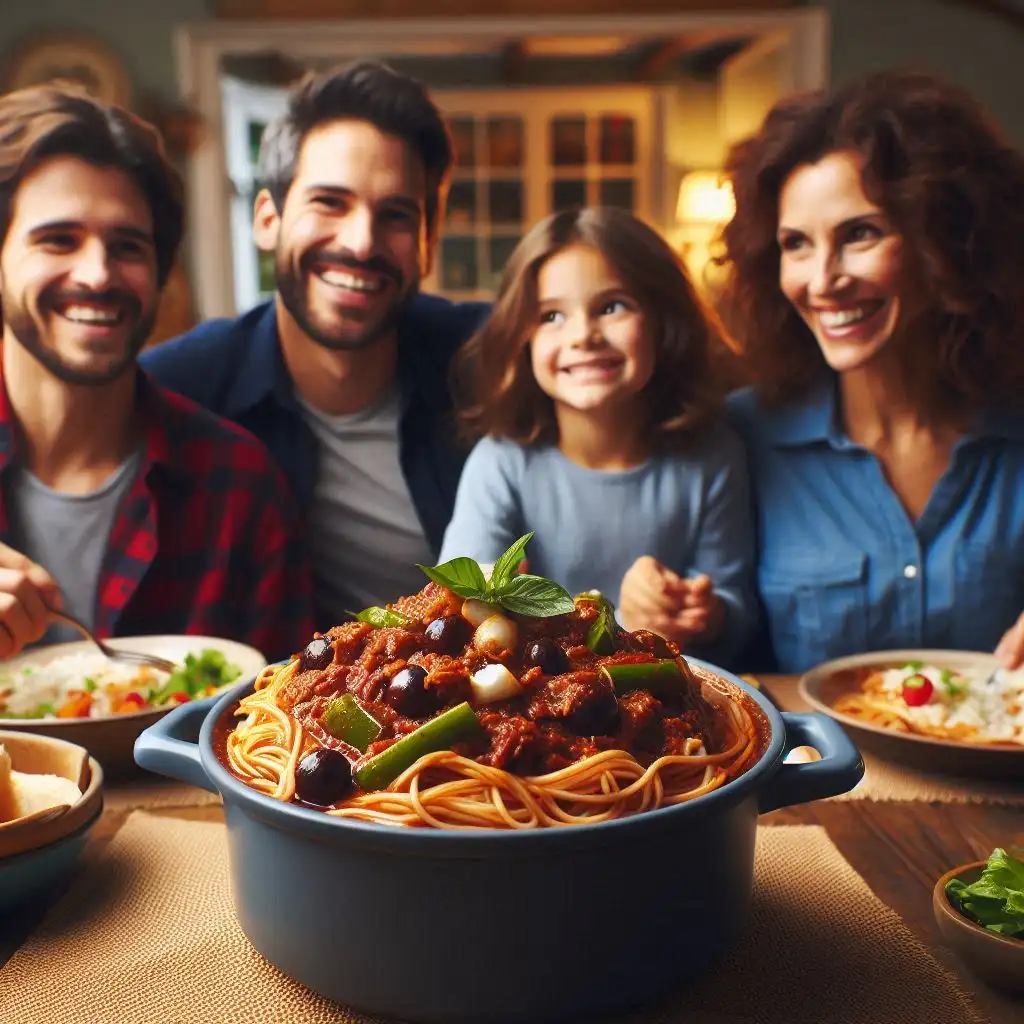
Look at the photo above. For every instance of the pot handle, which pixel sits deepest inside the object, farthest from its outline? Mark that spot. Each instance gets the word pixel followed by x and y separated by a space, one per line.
pixel 170 747
pixel 838 771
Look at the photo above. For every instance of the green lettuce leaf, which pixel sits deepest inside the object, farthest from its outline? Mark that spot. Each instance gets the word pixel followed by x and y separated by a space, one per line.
pixel 996 899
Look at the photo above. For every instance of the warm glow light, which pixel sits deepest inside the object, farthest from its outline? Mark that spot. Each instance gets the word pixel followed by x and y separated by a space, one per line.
pixel 705 197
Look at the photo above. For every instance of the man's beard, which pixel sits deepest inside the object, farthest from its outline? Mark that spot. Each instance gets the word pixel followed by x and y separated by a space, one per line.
pixel 28 334
pixel 291 283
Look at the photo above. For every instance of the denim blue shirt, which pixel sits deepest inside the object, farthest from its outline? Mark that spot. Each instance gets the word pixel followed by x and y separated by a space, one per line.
pixel 235 368
pixel 843 569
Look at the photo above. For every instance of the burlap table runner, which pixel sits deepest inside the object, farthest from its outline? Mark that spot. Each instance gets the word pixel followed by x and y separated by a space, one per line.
pixel 147 935
pixel 151 791
pixel 884 781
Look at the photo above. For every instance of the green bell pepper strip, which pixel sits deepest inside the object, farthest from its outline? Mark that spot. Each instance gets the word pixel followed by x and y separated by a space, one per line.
pixel 345 720
pixel 657 677
pixel 441 733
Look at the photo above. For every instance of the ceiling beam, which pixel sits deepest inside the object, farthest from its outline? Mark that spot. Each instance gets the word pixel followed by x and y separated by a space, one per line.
pixel 655 59
pixel 513 62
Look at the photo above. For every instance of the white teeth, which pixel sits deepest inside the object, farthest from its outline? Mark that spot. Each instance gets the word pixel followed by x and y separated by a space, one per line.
pixel 91 315
pixel 339 279
pixel 841 317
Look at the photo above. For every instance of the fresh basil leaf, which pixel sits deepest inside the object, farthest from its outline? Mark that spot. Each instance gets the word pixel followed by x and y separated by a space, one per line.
pixel 506 565
pixel 462 576
pixel 601 635
pixel 379 617
pixel 533 595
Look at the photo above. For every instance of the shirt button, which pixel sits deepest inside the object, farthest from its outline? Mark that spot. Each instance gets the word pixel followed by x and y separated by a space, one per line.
pixel 910 571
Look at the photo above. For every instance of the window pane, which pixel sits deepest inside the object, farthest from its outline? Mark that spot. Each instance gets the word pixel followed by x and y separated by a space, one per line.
pixel 255 137
pixel 568 141
pixel 617 140
pixel 617 192
pixel 462 203
pixel 463 141
pixel 501 250
pixel 505 199
pixel 505 141
pixel 568 193
pixel 266 273
pixel 458 264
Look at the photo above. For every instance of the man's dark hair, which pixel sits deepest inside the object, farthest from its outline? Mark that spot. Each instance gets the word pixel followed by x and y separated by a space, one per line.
pixel 370 91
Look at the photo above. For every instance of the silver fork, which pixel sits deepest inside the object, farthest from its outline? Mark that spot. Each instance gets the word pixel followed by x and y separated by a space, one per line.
pixel 114 653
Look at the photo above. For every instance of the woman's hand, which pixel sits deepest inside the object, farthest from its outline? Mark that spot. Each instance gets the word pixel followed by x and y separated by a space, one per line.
pixel 26 589
pixel 1010 650
pixel 680 609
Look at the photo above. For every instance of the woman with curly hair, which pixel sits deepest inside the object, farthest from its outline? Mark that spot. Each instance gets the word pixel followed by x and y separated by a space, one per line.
pixel 875 269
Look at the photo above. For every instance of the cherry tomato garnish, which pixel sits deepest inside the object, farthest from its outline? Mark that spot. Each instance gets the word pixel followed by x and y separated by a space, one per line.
pixel 917 690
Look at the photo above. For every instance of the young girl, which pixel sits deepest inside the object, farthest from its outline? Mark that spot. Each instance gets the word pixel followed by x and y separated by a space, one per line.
pixel 590 390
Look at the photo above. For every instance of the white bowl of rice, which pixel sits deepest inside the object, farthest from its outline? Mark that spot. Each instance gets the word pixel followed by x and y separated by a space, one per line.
pixel 72 692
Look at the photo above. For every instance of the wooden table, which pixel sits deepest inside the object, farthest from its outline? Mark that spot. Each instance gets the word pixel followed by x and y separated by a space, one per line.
pixel 900 849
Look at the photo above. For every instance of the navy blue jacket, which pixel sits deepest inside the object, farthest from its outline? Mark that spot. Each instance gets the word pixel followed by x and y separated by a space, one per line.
pixel 235 368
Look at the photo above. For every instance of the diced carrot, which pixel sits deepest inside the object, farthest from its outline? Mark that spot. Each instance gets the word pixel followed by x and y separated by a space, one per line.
pixel 77 705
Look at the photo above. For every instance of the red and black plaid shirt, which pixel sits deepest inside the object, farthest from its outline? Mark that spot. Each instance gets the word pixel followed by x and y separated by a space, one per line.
pixel 206 541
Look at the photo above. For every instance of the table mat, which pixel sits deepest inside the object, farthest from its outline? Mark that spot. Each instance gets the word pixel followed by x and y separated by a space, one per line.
pixel 147 935
pixel 153 792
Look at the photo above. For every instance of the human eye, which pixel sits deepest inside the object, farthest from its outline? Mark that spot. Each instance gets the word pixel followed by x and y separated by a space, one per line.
pixel 863 232
pixel 129 249
pixel 401 215
pixel 57 241
pixel 551 316
pixel 792 241
pixel 327 201
pixel 614 306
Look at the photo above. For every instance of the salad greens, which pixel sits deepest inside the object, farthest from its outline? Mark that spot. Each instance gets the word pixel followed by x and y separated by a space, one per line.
pixel 198 673
pixel 523 594
pixel 996 899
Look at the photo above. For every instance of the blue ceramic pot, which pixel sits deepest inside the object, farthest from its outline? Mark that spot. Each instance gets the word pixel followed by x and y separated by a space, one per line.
pixel 494 927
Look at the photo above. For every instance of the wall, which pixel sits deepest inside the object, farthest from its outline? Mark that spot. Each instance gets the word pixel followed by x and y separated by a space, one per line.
pixel 139 31
pixel 976 49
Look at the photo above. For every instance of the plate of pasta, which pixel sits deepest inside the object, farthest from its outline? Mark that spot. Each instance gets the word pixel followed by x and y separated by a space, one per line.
pixel 954 712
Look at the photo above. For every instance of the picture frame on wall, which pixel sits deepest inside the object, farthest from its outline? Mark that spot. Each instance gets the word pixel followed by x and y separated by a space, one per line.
pixel 77 62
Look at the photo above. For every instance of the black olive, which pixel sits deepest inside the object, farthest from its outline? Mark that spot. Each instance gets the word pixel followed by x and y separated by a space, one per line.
pixel 323 777
pixel 548 656
pixel 408 695
pixel 449 635
pixel 318 654
pixel 645 640
pixel 598 715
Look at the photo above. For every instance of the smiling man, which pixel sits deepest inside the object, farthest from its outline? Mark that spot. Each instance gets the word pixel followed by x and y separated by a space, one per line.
pixel 344 374
pixel 129 506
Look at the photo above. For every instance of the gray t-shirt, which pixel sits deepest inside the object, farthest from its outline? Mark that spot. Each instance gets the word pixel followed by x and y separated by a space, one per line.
pixel 67 535
pixel 365 536
pixel 690 512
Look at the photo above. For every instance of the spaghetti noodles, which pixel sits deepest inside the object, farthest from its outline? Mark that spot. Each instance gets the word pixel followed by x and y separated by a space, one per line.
pixel 446 790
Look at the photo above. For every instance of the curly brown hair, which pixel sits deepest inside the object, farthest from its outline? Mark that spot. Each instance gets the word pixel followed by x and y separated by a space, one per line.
pixel 952 187
pixel 496 392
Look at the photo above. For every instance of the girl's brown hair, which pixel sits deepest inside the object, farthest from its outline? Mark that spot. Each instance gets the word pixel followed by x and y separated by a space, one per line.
pixel 952 188
pixel 495 388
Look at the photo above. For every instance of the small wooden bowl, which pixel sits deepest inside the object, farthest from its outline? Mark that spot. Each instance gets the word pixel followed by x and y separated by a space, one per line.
pixel 996 959
pixel 43 755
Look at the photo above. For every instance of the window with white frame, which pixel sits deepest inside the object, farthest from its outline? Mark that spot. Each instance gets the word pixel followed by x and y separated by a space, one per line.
pixel 522 154
pixel 248 109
